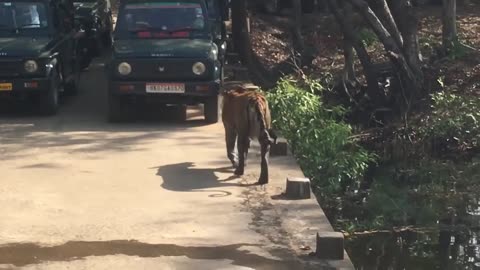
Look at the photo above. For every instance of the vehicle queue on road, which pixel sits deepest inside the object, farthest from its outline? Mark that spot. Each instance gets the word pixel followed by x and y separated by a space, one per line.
pixel 172 52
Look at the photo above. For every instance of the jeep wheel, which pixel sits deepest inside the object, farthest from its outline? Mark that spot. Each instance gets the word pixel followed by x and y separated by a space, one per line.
pixel 86 58
pixel 117 110
pixel 107 40
pixel 71 87
pixel 180 113
pixel 49 102
pixel 211 110
pixel 222 73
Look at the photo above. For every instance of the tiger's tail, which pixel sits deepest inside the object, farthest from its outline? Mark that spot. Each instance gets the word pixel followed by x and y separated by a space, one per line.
pixel 261 109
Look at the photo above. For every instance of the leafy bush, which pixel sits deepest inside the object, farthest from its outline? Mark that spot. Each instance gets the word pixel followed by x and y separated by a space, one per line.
pixel 320 139
pixel 454 117
pixel 422 193
pixel 368 37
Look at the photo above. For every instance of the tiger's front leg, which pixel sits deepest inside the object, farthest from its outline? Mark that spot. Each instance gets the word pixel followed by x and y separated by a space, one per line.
pixel 242 142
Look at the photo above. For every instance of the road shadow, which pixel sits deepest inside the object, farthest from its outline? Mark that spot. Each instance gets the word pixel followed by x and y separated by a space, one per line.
pixel 24 254
pixel 81 123
pixel 184 177
pixel 87 110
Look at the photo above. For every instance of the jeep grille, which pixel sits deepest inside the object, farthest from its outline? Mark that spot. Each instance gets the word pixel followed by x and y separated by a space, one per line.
pixel 10 67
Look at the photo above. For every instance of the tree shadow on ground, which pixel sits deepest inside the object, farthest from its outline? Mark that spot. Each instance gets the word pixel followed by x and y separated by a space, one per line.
pixel 184 177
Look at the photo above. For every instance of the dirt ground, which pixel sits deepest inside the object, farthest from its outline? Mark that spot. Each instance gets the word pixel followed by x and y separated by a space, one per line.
pixel 271 37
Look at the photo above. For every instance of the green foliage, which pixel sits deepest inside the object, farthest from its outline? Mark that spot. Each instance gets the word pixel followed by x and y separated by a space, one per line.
pixel 421 194
pixel 320 140
pixel 368 37
pixel 457 50
pixel 454 117
pixel 419 190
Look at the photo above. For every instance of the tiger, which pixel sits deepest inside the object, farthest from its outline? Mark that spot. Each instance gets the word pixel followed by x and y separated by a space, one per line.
pixel 246 116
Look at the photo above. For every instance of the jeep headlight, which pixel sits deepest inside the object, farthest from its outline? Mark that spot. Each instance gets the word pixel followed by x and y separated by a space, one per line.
pixel 199 68
pixel 223 47
pixel 124 68
pixel 31 66
pixel 213 54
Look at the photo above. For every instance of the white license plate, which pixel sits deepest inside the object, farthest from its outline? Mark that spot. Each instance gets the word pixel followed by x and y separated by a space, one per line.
pixel 165 88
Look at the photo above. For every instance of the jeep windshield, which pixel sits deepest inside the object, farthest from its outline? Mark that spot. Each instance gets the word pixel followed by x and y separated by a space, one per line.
pixel 23 18
pixel 162 20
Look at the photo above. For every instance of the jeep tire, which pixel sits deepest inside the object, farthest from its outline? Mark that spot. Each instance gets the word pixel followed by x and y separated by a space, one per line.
pixel 211 110
pixel 107 39
pixel 71 87
pixel 117 109
pixel 49 101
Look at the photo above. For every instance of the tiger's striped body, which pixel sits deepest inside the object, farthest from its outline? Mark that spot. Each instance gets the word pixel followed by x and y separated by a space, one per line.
pixel 246 116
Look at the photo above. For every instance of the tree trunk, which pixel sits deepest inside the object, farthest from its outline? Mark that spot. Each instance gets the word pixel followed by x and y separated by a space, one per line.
pixel 297 24
pixel 390 23
pixel 343 20
pixel 449 21
pixel 410 71
pixel 241 37
pixel 349 68
pixel 411 46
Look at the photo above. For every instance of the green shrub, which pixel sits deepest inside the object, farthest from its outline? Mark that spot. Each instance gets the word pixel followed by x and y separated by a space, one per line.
pixel 422 193
pixel 368 37
pixel 454 117
pixel 320 139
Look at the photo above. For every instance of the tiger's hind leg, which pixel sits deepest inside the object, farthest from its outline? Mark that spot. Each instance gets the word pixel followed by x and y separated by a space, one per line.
pixel 265 142
pixel 246 151
pixel 230 137
pixel 242 142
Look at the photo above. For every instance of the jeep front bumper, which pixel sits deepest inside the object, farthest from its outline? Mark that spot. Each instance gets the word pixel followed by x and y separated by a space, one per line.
pixel 16 86
pixel 180 89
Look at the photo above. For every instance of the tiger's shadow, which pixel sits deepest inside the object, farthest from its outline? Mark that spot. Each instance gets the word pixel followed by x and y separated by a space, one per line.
pixel 184 177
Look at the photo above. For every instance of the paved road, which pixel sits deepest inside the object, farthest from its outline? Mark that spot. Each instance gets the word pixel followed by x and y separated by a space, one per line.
pixel 78 192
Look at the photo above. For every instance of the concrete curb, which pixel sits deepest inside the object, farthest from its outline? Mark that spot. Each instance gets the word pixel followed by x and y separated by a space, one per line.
pixel 304 219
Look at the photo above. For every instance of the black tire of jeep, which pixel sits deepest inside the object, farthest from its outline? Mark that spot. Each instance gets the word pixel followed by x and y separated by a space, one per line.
pixel 211 110
pixel 107 40
pixel 85 56
pixel 85 63
pixel 180 113
pixel 222 76
pixel 116 109
pixel 71 87
pixel 49 102
pixel 222 73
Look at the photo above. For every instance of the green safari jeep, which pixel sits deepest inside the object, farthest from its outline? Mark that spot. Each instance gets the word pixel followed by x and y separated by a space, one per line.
pixel 39 56
pixel 167 51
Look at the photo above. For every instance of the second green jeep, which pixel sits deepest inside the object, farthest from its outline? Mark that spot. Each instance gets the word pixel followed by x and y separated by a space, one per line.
pixel 165 51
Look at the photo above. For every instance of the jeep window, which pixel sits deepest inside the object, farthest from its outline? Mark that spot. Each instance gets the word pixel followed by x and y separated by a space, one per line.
pixel 23 17
pixel 162 20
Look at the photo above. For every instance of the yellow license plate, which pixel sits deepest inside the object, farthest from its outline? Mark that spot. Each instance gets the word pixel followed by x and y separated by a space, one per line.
pixel 6 87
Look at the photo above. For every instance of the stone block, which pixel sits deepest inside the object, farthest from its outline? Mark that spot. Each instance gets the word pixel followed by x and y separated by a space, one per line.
pixel 330 246
pixel 298 188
